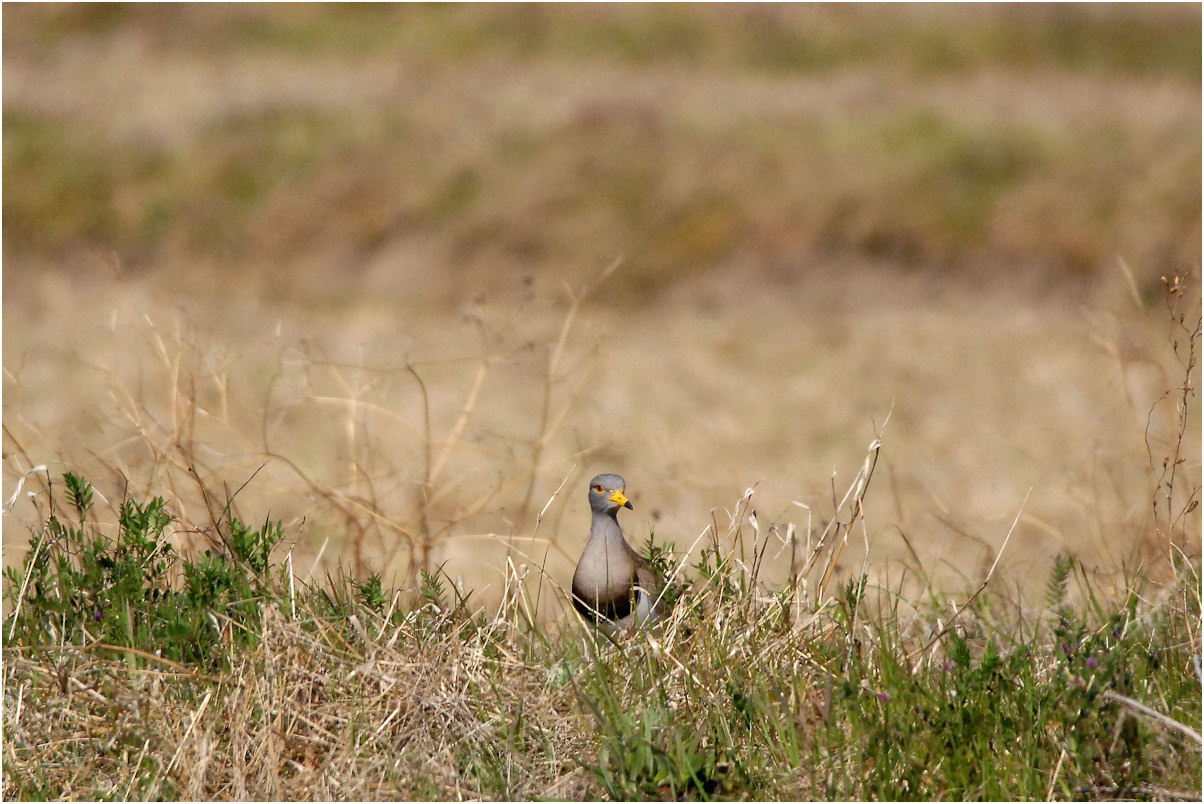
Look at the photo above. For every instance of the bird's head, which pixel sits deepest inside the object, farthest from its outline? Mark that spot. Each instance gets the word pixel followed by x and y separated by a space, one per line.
pixel 606 494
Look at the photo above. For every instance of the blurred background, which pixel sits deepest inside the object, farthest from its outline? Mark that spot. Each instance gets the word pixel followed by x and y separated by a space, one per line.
pixel 407 276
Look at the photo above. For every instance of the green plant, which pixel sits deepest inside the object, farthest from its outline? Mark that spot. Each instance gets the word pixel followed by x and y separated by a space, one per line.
pixel 79 588
pixel 1013 714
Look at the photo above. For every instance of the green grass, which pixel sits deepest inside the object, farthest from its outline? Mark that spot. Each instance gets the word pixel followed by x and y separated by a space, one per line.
pixel 134 671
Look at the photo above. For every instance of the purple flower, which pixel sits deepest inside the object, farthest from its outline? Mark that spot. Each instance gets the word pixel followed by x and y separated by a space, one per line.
pixel 882 696
pixel 1092 663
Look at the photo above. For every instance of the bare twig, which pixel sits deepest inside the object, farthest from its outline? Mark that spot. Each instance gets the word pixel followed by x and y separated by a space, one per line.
pixel 1163 720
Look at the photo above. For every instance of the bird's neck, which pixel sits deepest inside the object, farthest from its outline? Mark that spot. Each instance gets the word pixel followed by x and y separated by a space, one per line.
pixel 605 527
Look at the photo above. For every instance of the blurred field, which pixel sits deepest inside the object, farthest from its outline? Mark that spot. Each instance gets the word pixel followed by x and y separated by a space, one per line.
pixel 254 236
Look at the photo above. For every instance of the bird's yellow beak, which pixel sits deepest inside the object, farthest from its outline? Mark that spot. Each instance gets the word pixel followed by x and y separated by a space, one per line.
pixel 618 498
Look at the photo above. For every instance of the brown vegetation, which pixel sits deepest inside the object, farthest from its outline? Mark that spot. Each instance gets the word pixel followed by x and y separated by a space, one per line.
pixel 357 257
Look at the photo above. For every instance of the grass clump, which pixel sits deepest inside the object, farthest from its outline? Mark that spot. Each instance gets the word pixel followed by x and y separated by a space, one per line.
pixel 1006 716
pixel 77 588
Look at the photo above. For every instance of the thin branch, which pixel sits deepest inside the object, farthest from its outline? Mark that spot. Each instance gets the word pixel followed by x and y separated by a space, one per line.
pixel 1164 720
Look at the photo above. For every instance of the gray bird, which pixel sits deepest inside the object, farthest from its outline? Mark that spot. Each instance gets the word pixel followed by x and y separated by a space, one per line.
pixel 614 586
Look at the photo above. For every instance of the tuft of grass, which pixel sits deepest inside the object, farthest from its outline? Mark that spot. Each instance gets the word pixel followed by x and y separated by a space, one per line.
pixel 77 587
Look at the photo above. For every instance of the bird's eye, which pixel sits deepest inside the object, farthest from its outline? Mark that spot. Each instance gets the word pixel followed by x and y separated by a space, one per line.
pixel 599 488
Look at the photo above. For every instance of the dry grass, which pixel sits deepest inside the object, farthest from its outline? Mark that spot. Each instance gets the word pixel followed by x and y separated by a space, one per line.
pixel 390 331
pixel 354 269
pixel 383 717
pixel 426 701
pixel 745 691
pixel 441 452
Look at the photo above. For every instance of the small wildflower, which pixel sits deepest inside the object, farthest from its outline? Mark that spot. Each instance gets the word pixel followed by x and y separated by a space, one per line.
pixel 1092 663
pixel 884 697
pixel 948 665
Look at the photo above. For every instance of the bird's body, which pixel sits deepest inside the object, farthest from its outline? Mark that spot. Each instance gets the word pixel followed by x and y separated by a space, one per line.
pixel 614 586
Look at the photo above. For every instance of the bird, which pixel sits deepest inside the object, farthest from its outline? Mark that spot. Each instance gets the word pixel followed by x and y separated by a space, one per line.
pixel 614 587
